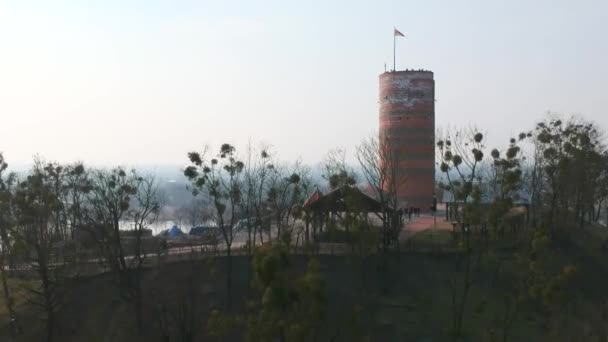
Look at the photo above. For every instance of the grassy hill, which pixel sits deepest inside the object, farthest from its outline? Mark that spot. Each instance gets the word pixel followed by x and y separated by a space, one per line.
pixel 407 296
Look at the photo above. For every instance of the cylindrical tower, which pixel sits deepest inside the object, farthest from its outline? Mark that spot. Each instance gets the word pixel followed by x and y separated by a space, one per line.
pixel 407 120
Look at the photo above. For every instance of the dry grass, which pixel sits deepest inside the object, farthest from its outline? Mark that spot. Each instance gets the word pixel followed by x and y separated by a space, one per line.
pixel 433 237
pixel 19 294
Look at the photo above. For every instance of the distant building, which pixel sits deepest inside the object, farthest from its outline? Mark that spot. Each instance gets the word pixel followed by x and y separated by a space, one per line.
pixel 520 198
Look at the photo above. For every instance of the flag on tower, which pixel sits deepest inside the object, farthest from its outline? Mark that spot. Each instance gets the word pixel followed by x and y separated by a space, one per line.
pixel 396 33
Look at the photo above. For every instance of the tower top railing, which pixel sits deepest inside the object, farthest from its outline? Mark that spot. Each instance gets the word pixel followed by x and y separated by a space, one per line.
pixel 408 70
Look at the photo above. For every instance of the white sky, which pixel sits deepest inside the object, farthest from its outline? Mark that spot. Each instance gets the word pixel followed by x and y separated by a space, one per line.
pixel 144 82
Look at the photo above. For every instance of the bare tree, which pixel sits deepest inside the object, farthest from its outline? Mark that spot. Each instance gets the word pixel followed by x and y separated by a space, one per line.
pixel 380 166
pixel 78 185
pixel 535 180
pixel 286 191
pixel 336 171
pixel 256 176
pixel 220 178
pixel 192 214
pixel 573 154
pixel 116 197
pixel 601 195
pixel 37 201
pixel 143 213
pixel 461 154
pixel 7 221
pixel 107 206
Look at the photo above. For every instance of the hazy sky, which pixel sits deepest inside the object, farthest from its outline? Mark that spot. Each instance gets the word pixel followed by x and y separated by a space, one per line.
pixel 146 81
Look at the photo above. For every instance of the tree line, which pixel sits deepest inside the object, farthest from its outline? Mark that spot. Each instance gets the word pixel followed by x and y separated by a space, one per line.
pixel 58 216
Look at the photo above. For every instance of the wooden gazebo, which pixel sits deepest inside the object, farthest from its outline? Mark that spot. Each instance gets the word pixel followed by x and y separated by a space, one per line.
pixel 343 199
pixel 319 208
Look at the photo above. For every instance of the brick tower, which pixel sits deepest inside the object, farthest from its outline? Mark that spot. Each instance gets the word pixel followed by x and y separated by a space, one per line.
pixel 407 118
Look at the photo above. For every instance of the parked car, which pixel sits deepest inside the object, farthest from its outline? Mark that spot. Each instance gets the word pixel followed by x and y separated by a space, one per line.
pixel 241 225
pixel 208 234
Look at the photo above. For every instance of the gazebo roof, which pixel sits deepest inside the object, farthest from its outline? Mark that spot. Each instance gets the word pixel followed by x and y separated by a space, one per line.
pixel 315 196
pixel 343 199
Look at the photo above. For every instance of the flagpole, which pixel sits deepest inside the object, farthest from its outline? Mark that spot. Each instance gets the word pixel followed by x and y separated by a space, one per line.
pixel 394 45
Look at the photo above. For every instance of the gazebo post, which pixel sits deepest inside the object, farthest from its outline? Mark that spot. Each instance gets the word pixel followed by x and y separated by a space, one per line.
pixel 315 228
pixel 306 232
